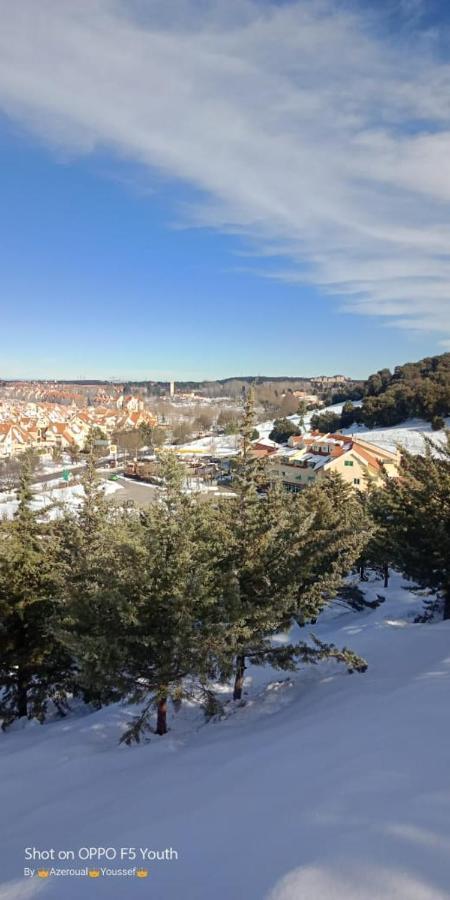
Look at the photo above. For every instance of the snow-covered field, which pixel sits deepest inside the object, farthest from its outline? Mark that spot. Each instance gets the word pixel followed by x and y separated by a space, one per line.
pixel 322 786
pixel 53 492
pixel 216 445
pixel 410 435
pixel 48 465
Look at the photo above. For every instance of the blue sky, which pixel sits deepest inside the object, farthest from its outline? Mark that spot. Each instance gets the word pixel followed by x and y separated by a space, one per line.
pixel 192 197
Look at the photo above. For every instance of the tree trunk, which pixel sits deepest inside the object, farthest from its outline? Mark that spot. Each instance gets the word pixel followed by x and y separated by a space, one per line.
pixel 447 605
pixel 362 570
pixel 23 678
pixel 239 679
pixel 22 696
pixel 161 719
pixel 92 698
pixel 386 575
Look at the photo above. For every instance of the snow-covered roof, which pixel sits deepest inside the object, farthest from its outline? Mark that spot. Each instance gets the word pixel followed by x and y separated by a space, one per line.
pixel 316 460
pixel 266 442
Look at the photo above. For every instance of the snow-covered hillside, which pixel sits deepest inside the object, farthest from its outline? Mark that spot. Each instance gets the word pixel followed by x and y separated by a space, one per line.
pixel 322 785
pixel 264 428
pixel 410 435
pixel 215 445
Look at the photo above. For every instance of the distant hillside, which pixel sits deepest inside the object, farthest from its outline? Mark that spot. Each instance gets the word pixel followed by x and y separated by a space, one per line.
pixel 414 390
pixel 163 386
pixel 232 380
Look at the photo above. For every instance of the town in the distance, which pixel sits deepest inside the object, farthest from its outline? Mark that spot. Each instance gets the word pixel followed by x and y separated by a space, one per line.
pixel 305 428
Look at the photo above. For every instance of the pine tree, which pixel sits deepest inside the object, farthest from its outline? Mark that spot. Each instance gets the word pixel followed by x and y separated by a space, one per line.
pixel 301 412
pixel 249 538
pixel 140 595
pixel 99 558
pixel 416 507
pixel 282 430
pixel 177 633
pixel 287 556
pixel 34 668
pixel 339 529
pixel 379 553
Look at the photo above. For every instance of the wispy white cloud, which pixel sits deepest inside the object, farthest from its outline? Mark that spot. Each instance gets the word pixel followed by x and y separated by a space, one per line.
pixel 301 125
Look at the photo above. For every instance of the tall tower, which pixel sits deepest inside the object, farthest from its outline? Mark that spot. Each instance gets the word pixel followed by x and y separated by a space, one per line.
pixel 171 389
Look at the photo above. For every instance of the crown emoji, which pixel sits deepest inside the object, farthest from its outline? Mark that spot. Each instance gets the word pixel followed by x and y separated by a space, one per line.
pixel 43 873
pixel 94 873
pixel 141 873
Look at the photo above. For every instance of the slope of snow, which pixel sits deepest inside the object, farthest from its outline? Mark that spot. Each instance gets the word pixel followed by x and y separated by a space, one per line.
pixel 53 492
pixel 408 435
pixel 322 785
pixel 215 445
pixel 264 428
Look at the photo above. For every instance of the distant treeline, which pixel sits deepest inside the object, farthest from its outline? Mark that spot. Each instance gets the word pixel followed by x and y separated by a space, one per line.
pixel 263 386
pixel 89 382
pixel 414 390
pixel 233 386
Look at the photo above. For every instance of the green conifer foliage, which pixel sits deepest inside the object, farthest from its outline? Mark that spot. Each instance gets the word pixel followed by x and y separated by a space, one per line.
pixel 34 668
pixel 416 507
pixel 101 561
pixel 379 553
pixel 287 556
pixel 178 631
pixel 141 594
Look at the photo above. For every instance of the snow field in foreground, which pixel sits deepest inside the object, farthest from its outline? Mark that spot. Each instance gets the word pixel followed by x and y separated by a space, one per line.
pixel 322 786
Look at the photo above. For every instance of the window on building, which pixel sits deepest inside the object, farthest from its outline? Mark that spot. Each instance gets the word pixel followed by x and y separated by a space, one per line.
pixel 348 462
pixel 356 481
